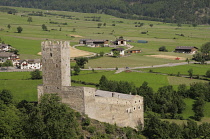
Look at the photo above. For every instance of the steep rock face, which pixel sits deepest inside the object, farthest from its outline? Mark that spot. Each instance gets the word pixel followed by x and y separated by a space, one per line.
pixel 176 11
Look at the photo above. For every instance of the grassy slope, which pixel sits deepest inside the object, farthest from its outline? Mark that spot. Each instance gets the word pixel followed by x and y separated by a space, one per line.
pixel 158 35
pixel 197 69
pixel 20 85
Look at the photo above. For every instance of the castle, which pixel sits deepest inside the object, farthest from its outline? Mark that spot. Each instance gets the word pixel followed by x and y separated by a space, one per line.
pixel 111 107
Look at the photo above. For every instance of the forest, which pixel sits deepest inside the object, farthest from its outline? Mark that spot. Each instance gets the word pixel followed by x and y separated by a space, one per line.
pixel 169 11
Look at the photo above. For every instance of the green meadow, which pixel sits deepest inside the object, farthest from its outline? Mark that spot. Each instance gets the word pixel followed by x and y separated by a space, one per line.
pixel 198 69
pixel 161 34
pixel 20 84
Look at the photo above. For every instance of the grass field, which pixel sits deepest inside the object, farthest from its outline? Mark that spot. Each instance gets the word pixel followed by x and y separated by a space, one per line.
pixel 161 34
pixel 20 84
pixel 198 69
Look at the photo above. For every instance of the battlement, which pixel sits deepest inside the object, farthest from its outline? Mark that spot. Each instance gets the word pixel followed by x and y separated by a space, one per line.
pixel 55 44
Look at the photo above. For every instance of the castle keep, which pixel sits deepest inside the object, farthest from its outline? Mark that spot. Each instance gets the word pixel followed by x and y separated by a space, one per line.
pixel 104 106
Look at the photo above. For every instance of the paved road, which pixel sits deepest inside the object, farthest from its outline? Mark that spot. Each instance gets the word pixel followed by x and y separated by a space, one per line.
pixel 119 69
pixel 143 67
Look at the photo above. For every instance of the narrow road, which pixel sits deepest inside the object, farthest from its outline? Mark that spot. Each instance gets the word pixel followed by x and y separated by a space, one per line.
pixel 143 67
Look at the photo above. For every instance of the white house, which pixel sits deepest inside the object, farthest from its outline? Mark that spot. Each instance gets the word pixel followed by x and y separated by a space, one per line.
pixel 29 64
pixel 120 41
pixel 4 56
pixel 121 51
pixel 5 47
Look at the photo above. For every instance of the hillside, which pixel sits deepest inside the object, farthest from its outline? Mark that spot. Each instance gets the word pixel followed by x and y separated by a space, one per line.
pixel 173 11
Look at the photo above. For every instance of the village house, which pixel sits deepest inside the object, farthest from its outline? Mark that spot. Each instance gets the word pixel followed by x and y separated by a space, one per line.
pixel 4 56
pixel 5 47
pixel 94 43
pixel 134 51
pixel 186 49
pixel 120 41
pixel 120 50
pixel 29 64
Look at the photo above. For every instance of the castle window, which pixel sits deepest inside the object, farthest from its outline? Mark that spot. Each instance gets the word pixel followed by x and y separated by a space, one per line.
pixel 139 100
pixel 56 65
pixel 139 107
pixel 134 108
pixel 57 87
pixel 51 54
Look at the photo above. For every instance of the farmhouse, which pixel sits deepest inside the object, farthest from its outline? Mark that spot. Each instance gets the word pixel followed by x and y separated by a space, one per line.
pixel 94 43
pixel 120 50
pixel 120 41
pixel 111 107
pixel 29 64
pixel 134 51
pixel 5 47
pixel 186 49
pixel 4 56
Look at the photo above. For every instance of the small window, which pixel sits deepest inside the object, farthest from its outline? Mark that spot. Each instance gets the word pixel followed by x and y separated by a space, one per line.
pixel 139 100
pixel 51 54
pixel 139 107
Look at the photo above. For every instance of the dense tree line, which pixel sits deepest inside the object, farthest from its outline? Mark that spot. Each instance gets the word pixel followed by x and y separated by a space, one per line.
pixel 48 119
pixel 175 11
pixel 157 129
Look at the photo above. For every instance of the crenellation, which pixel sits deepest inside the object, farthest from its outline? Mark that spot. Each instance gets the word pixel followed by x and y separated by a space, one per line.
pixel 105 106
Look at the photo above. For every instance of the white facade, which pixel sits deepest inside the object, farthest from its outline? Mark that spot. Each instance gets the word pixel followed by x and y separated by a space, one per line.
pixel 5 47
pixel 121 42
pixel 30 64
pixel 4 56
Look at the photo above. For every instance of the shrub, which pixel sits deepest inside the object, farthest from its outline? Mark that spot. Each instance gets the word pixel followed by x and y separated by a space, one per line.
pixel 208 73
pixel 163 49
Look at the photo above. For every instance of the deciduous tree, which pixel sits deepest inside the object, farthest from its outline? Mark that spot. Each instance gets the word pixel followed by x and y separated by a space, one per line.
pixel 44 27
pixel 19 29
pixel 29 20
pixel 81 61
pixel 36 74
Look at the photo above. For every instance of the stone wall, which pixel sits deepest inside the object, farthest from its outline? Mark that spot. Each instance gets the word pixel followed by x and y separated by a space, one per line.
pixel 115 110
pixel 74 97
pixel 55 66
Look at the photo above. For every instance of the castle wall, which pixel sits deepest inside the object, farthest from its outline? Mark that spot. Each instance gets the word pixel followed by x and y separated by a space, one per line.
pixel 40 91
pixel 111 107
pixel 74 97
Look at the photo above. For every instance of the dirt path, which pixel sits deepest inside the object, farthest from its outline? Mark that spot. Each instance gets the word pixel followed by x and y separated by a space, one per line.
pixel 76 53
pixel 167 57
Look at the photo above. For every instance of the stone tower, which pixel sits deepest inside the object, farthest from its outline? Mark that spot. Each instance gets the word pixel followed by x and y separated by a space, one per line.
pixel 55 66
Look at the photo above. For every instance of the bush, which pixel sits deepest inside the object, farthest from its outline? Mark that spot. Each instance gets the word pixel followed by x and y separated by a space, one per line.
pixel 36 74
pixel 208 73
pixel 91 129
pixel 163 49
